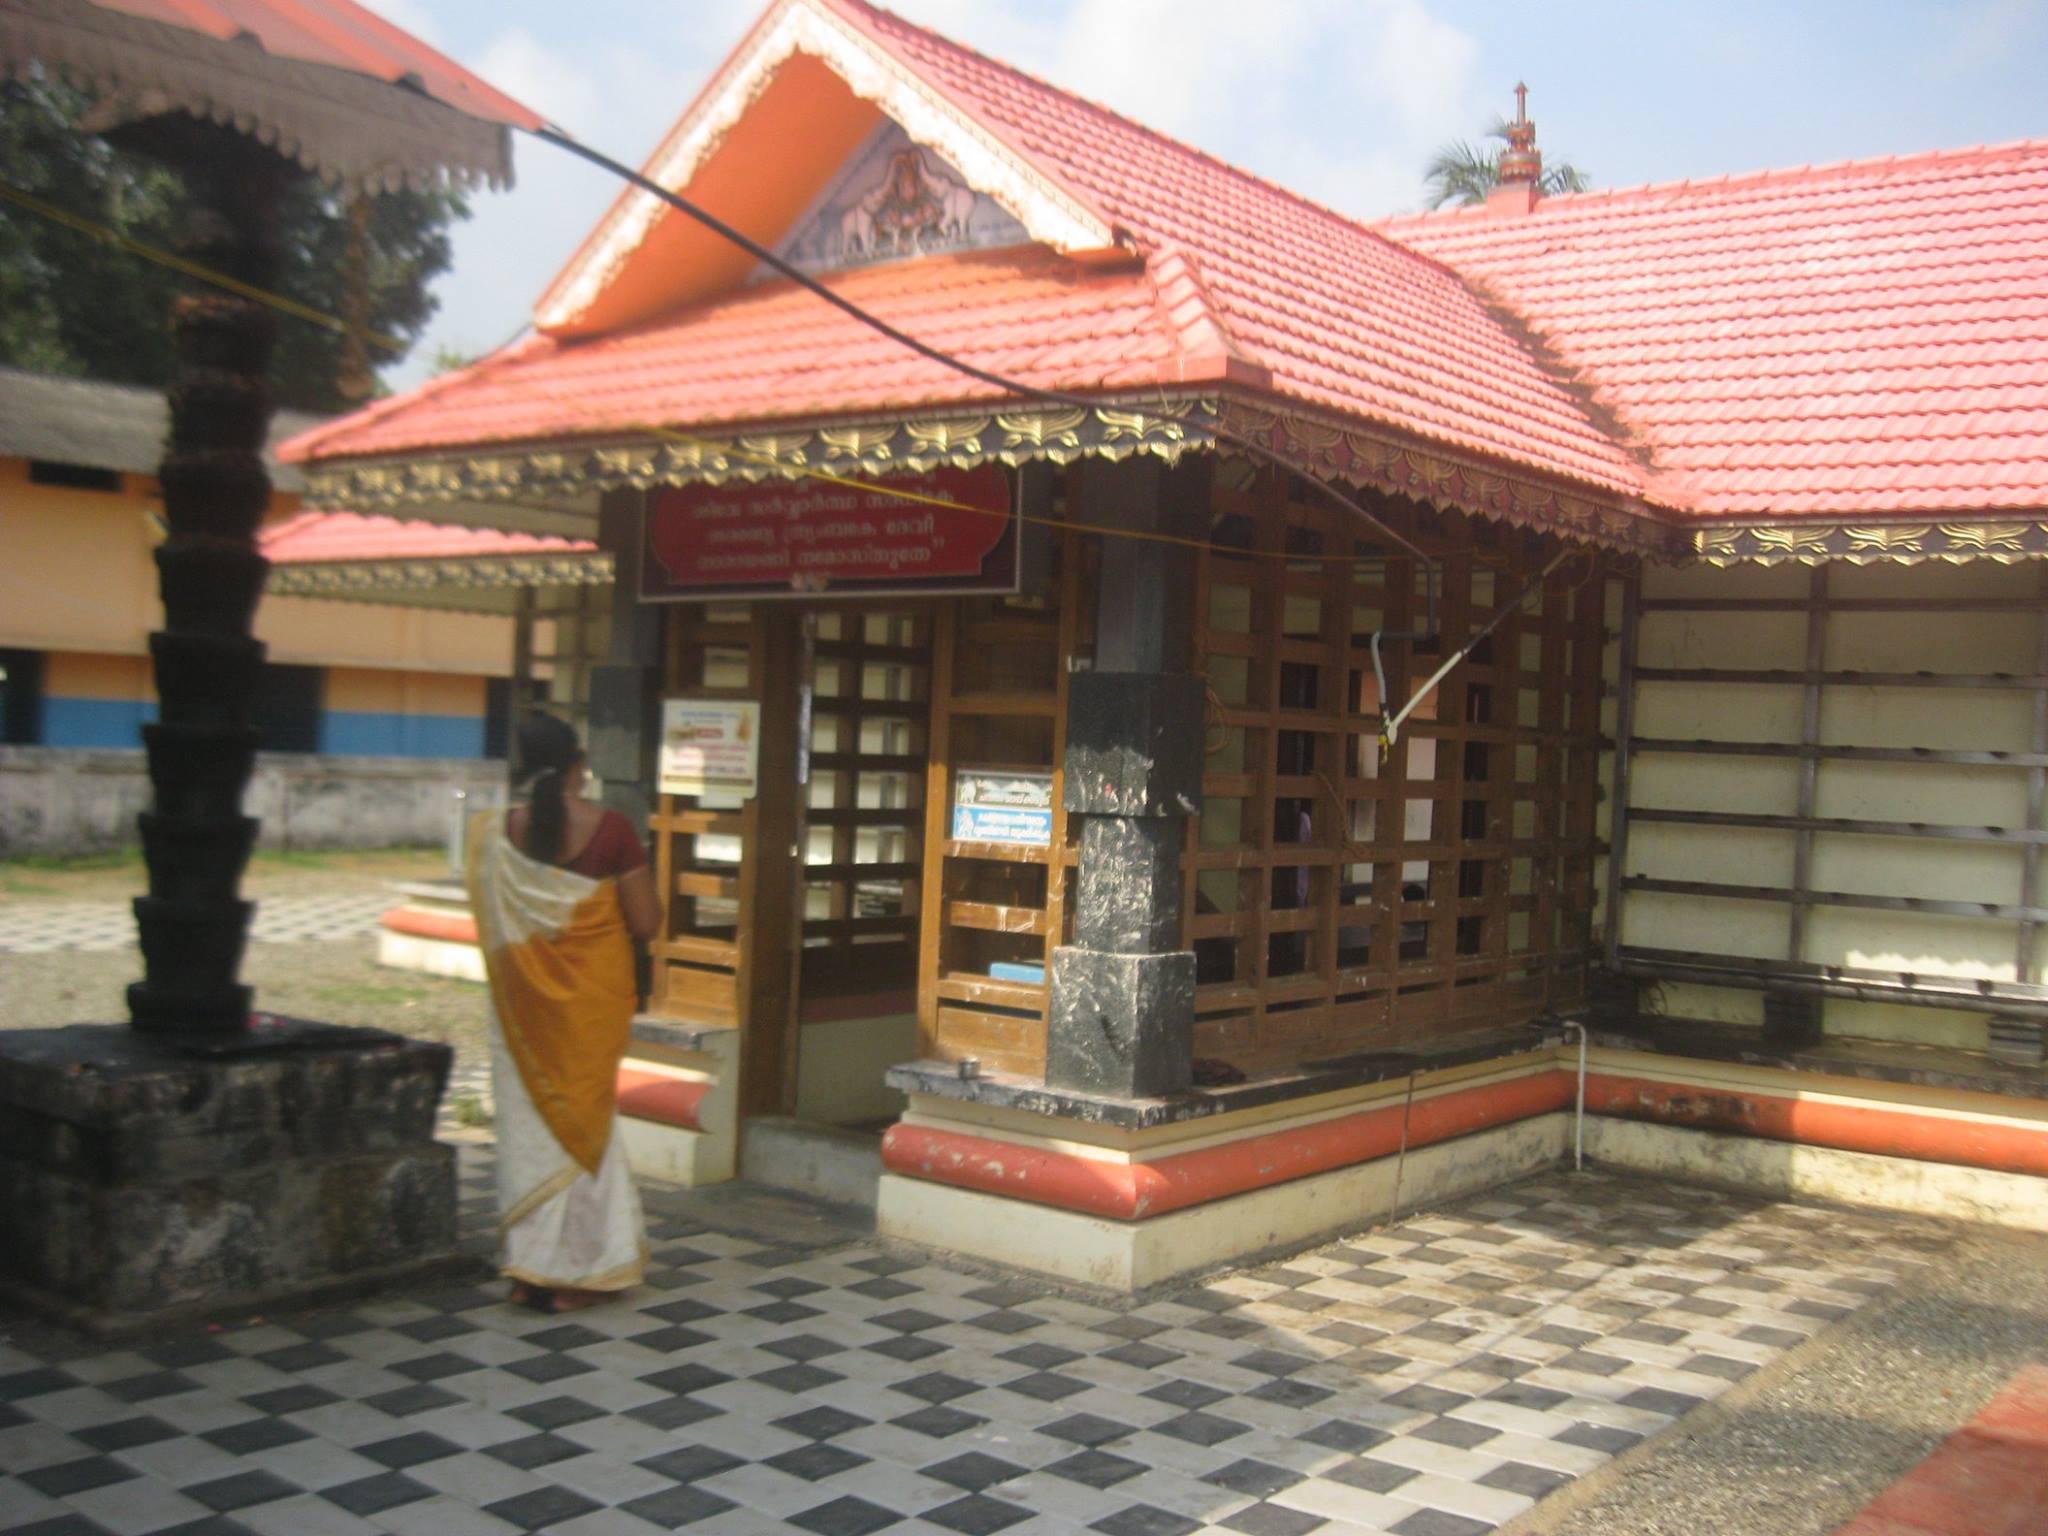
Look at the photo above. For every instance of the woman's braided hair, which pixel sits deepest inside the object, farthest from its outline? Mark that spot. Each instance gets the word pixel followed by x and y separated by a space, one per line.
pixel 547 751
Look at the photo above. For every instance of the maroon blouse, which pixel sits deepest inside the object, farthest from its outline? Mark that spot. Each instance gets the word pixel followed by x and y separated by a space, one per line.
pixel 614 849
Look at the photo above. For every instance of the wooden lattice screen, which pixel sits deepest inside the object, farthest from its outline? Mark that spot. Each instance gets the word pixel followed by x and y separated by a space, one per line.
pixel 712 653
pixel 1335 901
pixel 999 697
pixel 871 677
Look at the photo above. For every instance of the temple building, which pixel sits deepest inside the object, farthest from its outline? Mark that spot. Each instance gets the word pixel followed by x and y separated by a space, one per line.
pixel 1205 794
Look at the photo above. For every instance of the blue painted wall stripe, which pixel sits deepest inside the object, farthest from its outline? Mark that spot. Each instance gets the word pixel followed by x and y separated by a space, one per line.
pixel 386 733
pixel 69 722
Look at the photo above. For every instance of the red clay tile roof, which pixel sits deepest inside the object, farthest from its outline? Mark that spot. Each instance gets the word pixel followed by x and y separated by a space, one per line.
pixel 1869 337
pixel 1862 339
pixel 1333 313
pixel 341 34
pixel 1340 316
pixel 777 351
pixel 311 536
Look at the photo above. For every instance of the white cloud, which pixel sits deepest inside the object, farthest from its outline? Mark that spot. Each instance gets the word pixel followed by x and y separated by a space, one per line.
pixel 1341 100
pixel 615 97
pixel 409 15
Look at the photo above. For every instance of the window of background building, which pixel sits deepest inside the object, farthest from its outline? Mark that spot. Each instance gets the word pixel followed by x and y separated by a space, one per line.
pixel 286 709
pixel 498 717
pixel 74 477
pixel 21 698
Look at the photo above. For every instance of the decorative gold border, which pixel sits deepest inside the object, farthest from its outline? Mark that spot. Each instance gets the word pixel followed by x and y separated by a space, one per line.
pixel 884 446
pixel 1449 481
pixel 1331 447
pixel 2004 541
pixel 390 578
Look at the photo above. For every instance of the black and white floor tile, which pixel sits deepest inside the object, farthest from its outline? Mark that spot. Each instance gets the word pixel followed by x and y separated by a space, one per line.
pixel 29 926
pixel 1431 1379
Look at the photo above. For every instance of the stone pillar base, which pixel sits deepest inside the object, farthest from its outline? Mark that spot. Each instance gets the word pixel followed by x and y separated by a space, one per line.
pixel 145 1180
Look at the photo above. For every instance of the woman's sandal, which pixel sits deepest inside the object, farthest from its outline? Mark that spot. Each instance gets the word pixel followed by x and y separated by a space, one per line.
pixel 532 1297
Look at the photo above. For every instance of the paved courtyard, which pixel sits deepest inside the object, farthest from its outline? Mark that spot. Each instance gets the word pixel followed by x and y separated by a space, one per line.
pixel 1433 1379
pixel 102 927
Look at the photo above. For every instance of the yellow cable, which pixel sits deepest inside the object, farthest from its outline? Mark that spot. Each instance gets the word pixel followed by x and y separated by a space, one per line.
pixel 293 307
pixel 192 269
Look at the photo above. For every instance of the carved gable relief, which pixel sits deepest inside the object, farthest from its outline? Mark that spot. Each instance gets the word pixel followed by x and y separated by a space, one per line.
pixel 893 201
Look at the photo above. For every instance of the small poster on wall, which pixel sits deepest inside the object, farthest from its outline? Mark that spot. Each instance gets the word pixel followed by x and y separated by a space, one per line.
pixel 1003 805
pixel 710 744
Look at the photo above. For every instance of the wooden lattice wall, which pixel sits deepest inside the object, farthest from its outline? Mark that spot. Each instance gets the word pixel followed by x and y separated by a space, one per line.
pixel 999 697
pixel 1336 901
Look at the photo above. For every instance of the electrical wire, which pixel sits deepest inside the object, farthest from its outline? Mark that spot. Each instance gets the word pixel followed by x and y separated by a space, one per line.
pixel 761 253
pixel 199 272
pixel 107 235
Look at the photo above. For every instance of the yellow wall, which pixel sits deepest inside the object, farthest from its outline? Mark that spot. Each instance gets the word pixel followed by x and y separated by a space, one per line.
pixel 309 632
pixel 406 693
pixel 89 675
pixel 76 573
pixel 78 576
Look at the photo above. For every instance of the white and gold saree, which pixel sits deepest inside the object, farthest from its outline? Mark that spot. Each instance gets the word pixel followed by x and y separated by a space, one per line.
pixel 562 998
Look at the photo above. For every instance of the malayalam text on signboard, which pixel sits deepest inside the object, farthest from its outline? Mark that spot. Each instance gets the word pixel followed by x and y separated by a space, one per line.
pixel 948 530
pixel 1003 805
pixel 710 744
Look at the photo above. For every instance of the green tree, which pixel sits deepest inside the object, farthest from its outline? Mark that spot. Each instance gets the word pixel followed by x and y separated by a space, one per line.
pixel 74 304
pixel 1465 173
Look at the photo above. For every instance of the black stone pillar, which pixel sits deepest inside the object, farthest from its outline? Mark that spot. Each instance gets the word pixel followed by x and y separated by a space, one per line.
pixel 1123 994
pixel 625 690
pixel 195 838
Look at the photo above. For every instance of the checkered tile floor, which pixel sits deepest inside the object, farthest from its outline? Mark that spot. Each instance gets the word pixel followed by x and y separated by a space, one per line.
pixel 37 927
pixel 1432 1379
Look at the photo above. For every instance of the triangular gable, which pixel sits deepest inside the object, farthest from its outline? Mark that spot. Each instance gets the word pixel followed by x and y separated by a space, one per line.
pixel 807 91
pixel 894 201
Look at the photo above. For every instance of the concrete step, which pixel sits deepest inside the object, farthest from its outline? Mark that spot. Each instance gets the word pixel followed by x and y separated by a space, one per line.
pixel 825 1162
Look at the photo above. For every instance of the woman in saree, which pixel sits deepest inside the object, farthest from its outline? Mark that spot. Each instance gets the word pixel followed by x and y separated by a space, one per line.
pixel 561 891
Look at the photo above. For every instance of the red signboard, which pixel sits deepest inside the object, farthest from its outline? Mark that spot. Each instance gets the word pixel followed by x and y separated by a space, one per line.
pixel 948 530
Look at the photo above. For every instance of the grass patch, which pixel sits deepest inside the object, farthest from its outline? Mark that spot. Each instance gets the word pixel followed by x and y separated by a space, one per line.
pixel 50 864
pixel 467 1110
pixel 371 995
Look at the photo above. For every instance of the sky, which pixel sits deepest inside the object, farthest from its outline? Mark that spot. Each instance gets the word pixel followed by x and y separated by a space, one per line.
pixel 1342 100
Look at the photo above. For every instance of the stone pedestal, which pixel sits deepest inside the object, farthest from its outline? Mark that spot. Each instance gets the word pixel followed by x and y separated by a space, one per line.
pixel 144 1180
pixel 1122 1008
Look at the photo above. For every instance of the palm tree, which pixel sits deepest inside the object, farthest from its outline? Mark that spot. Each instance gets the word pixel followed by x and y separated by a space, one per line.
pixel 1465 173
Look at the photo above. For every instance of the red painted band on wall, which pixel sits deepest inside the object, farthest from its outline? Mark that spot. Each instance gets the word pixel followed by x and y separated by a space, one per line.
pixel 1133 1191
pixel 451 927
pixel 1845 1127
pixel 655 1096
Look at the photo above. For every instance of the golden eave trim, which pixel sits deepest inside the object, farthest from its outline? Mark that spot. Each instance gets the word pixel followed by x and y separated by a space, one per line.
pixel 2004 540
pixel 1339 448
pixel 373 579
pixel 1333 448
pixel 899 444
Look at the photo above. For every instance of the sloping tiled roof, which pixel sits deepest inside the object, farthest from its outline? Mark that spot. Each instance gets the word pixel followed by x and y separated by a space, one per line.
pixel 1342 317
pixel 1333 313
pixel 1869 337
pixel 316 537
pixel 1854 340
pixel 64 420
pixel 778 351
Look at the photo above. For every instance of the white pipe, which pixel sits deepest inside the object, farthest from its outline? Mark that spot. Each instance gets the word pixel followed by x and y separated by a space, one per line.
pixel 1579 1123
pixel 1390 731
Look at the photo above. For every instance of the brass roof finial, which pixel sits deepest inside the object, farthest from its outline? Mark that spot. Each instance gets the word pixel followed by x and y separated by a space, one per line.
pixel 1521 162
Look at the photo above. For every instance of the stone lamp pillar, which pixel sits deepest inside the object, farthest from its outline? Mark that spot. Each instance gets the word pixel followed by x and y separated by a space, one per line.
pixel 1122 1011
pixel 197 1164
pixel 195 839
